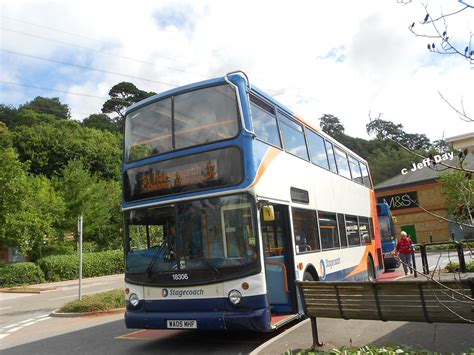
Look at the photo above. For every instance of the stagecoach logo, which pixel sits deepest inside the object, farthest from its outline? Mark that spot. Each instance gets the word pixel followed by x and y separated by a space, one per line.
pixel 326 264
pixel 322 269
pixel 181 292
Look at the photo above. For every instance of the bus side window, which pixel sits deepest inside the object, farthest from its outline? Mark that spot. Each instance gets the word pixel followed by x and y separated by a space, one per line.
pixel 317 149
pixel 305 230
pixel 332 160
pixel 364 230
pixel 264 121
pixel 342 229
pixel 365 175
pixel 355 170
pixel 342 163
pixel 293 137
pixel 328 230
pixel 352 231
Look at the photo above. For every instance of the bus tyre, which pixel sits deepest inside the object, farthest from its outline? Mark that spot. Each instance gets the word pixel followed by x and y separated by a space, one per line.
pixel 307 276
pixel 370 269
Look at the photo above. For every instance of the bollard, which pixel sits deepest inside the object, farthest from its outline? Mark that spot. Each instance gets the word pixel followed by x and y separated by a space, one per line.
pixel 452 236
pixel 431 238
pixel 462 261
pixel 424 259
pixel 413 261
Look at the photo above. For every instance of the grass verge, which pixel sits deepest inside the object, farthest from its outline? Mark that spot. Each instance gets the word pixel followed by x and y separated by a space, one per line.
pixel 368 349
pixel 103 301
pixel 454 267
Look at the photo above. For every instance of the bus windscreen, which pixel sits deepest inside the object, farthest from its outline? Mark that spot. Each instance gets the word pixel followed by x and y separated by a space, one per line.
pixel 193 118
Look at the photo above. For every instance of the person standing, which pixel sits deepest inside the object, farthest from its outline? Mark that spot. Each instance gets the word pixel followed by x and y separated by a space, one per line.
pixel 404 250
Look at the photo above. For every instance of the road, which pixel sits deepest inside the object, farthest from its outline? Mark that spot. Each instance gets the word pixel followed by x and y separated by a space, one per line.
pixel 20 312
pixel 26 327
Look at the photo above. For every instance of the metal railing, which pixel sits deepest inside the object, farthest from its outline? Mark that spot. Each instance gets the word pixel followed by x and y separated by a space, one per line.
pixel 459 246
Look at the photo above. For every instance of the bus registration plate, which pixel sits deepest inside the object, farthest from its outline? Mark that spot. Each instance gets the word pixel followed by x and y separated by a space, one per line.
pixel 181 324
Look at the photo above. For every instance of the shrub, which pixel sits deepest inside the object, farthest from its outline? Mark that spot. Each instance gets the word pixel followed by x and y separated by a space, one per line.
pixel 54 249
pixel 454 267
pixel 99 302
pixel 20 274
pixel 66 267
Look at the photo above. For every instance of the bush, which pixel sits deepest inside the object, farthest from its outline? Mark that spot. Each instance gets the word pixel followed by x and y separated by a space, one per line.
pixel 99 302
pixel 66 267
pixel 20 274
pixel 54 249
pixel 454 267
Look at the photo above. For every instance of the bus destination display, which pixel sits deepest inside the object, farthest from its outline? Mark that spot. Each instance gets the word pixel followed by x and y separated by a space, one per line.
pixel 216 168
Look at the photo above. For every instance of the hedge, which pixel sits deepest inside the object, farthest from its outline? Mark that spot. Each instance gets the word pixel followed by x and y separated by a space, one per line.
pixel 20 274
pixel 99 302
pixel 66 267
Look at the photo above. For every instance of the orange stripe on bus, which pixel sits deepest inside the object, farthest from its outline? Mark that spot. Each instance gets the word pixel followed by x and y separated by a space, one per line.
pixel 363 263
pixel 270 155
pixel 302 120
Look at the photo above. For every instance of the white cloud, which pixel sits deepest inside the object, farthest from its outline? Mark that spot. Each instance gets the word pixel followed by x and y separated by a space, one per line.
pixel 345 58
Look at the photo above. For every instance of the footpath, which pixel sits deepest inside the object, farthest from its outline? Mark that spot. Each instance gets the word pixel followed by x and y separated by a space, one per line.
pixel 336 333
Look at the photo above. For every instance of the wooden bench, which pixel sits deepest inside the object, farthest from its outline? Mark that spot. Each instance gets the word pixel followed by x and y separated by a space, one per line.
pixel 411 301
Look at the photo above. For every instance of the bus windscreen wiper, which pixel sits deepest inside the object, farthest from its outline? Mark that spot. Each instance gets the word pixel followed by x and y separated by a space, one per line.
pixel 211 265
pixel 160 250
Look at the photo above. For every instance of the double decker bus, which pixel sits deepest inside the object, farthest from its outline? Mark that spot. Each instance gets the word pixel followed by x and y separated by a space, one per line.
pixel 387 236
pixel 228 199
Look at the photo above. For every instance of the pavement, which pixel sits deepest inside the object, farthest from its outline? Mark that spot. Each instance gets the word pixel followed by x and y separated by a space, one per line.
pixel 440 337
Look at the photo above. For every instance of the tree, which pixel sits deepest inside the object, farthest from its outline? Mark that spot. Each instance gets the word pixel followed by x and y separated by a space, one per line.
pixel 49 148
pixel 100 121
pixel 458 188
pixel 123 95
pixel 6 138
pixel 331 125
pixel 48 105
pixel 98 201
pixel 8 115
pixel 30 209
pixel 388 162
pixel 386 129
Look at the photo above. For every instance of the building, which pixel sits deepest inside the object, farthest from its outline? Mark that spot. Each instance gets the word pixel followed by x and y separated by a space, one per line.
pixel 416 198
pixel 462 142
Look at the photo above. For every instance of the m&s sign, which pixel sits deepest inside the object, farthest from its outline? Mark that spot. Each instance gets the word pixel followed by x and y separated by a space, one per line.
pixel 400 201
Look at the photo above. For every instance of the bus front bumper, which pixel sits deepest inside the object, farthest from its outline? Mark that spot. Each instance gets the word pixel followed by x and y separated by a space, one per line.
pixel 257 320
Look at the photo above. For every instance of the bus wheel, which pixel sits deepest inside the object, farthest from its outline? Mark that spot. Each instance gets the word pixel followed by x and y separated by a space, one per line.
pixel 307 276
pixel 371 269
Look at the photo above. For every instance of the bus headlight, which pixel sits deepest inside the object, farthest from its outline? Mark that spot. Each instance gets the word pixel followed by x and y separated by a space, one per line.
pixel 134 299
pixel 235 297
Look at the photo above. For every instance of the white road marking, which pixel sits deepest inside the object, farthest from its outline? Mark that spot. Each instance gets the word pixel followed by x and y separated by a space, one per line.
pixel 14 329
pixel 5 307
pixel 3 336
pixel 71 296
pixel 25 321
pixel 8 296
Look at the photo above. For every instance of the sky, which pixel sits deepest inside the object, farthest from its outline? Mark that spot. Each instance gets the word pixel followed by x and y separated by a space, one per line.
pixel 351 59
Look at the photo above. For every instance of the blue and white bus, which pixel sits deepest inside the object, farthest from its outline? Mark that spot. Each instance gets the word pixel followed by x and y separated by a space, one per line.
pixel 228 199
pixel 388 236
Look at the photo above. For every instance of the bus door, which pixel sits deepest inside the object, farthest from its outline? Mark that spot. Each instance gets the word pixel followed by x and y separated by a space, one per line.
pixel 279 261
